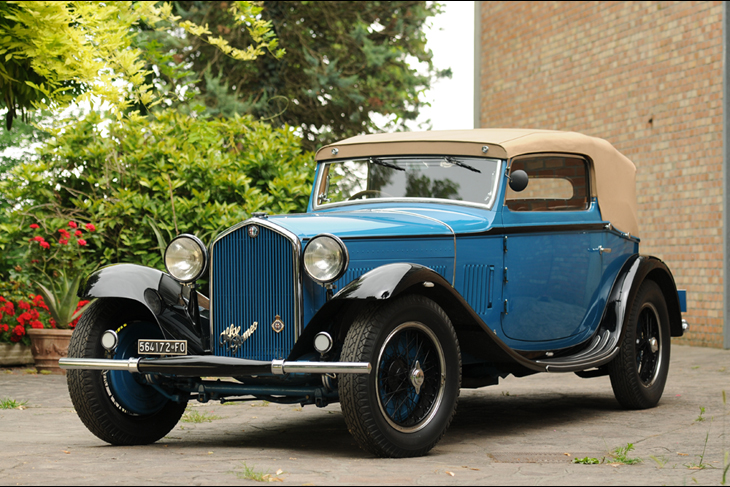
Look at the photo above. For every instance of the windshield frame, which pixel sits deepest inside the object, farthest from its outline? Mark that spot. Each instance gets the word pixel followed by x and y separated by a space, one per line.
pixel 486 205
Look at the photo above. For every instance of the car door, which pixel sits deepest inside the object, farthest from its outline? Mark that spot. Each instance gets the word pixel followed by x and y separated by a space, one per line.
pixel 552 252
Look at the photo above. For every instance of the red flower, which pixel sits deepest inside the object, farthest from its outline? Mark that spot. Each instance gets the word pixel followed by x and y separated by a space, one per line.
pixel 62 241
pixel 9 309
pixel 52 322
pixel 35 226
pixel 19 330
pixel 4 328
pixel 36 324
pixel 45 245
pixel 90 227
pixel 23 305
pixel 81 305
pixel 64 232
pixel 2 299
pixel 72 224
pixel 34 314
pixel 82 242
pixel 78 233
pixel 38 238
pixel 24 318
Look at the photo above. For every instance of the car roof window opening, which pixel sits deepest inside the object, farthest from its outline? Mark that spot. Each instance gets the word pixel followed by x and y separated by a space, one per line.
pixel 466 179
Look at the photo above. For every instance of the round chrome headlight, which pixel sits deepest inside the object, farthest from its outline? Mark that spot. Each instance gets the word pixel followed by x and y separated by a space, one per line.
pixel 186 258
pixel 325 258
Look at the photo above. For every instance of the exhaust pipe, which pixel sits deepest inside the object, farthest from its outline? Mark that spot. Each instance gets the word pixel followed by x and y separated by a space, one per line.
pixel 212 366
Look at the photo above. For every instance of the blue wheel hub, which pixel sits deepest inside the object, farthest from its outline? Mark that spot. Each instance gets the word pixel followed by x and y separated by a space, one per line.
pixel 127 389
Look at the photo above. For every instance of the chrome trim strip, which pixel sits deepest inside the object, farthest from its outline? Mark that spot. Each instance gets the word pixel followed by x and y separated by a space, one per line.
pixel 278 367
pixel 129 365
pixel 297 249
pixel 282 367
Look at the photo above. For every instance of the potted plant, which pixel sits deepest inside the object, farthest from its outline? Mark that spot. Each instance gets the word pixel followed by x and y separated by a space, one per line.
pixel 58 261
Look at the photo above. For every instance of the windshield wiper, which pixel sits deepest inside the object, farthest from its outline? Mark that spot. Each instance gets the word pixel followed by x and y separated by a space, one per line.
pixel 456 162
pixel 373 160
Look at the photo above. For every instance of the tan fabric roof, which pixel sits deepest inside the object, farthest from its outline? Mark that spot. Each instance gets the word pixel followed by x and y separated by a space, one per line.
pixel 614 182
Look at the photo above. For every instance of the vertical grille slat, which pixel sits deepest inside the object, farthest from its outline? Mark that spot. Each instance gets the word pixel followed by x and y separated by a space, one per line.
pixel 254 280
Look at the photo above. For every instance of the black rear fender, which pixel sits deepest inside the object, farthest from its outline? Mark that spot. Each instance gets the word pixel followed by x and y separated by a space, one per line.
pixel 653 269
pixel 157 297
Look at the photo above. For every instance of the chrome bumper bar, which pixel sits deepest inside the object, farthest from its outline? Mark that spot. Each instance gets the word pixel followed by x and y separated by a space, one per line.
pixel 212 366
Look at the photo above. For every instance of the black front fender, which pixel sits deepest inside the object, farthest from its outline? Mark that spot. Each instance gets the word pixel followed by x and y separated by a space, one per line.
pixel 389 281
pixel 161 295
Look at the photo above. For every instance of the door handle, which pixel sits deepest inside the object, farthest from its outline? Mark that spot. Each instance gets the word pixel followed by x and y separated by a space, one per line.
pixel 601 250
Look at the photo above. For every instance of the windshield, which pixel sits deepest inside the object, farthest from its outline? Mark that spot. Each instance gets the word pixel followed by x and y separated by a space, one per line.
pixel 467 179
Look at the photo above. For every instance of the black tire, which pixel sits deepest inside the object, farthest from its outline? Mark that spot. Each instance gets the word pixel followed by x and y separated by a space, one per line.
pixel 639 372
pixel 96 394
pixel 385 411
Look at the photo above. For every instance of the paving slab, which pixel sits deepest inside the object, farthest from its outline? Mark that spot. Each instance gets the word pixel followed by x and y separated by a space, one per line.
pixel 523 431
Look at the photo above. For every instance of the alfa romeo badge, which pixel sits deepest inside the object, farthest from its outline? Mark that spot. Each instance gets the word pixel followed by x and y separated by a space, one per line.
pixel 253 231
pixel 277 325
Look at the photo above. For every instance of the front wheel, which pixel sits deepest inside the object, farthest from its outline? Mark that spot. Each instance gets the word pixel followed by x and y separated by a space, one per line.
pixel 118 406
pixel 405 405
pixel 639 372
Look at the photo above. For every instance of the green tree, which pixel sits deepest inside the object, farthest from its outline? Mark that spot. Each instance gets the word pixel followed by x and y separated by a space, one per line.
pixel 345 62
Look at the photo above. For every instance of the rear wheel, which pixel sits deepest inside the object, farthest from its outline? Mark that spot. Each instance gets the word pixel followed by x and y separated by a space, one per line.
pixel 405 405
pixel 117 406
pixel 639 372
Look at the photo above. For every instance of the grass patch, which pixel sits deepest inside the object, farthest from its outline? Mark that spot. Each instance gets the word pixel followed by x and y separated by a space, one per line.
pixel 250 473
pixel 196 417
pixel 8 403
pixel 587 461
pixel 621 455
pixel 702 411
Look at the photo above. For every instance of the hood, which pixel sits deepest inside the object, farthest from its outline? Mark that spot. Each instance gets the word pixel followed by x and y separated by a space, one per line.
pixel 387 222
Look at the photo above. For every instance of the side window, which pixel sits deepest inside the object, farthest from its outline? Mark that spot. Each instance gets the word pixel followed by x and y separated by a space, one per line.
pixel 556 183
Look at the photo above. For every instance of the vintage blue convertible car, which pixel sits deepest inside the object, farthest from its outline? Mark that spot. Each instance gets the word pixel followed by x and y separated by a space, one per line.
pixel 426 262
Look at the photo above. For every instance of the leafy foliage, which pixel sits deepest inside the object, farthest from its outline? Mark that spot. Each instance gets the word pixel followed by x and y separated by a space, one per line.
pixel 55 53
pixel 150 178
pixel 344 62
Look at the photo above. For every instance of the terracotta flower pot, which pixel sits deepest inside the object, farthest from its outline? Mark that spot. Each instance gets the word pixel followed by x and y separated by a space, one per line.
pixel 49 345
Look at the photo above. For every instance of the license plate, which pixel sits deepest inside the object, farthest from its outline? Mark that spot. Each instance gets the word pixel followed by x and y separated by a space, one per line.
pixel 162 347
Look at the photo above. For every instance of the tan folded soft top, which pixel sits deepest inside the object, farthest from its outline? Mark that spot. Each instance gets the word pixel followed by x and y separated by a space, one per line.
pixel 613 179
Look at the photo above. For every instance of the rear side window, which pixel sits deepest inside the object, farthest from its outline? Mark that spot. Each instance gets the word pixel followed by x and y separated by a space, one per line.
pixel 556 183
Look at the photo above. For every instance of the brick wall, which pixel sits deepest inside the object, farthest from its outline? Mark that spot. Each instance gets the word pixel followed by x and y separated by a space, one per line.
pixel 647 77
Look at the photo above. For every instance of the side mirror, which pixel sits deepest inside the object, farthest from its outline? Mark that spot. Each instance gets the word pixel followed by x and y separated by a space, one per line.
pixel 518 180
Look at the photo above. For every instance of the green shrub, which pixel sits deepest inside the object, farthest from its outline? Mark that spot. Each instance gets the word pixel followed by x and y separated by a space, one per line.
pixel 142 180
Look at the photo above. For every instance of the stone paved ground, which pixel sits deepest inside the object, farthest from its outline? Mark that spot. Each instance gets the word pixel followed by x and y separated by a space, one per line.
pixel 524 431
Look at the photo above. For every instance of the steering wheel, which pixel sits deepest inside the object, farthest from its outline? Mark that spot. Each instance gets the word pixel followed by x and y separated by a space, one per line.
pixel 366 192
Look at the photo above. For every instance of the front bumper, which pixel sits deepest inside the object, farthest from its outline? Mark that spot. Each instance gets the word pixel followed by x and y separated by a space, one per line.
pixel 212 366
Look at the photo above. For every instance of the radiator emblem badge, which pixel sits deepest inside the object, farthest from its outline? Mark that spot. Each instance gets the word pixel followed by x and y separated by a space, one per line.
pixel 253 231
pixel 231 338
pixel 277 325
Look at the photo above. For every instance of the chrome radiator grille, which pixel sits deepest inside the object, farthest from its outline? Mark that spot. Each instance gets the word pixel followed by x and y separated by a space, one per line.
pixel 254 279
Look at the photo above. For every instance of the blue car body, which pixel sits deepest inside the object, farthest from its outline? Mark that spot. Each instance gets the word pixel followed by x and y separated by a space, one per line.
pixel 524 283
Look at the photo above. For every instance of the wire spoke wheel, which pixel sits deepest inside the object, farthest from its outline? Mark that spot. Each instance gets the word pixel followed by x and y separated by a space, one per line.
pixel 648 345
pixel 406 404
pixel 639 372
pixel 410 377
